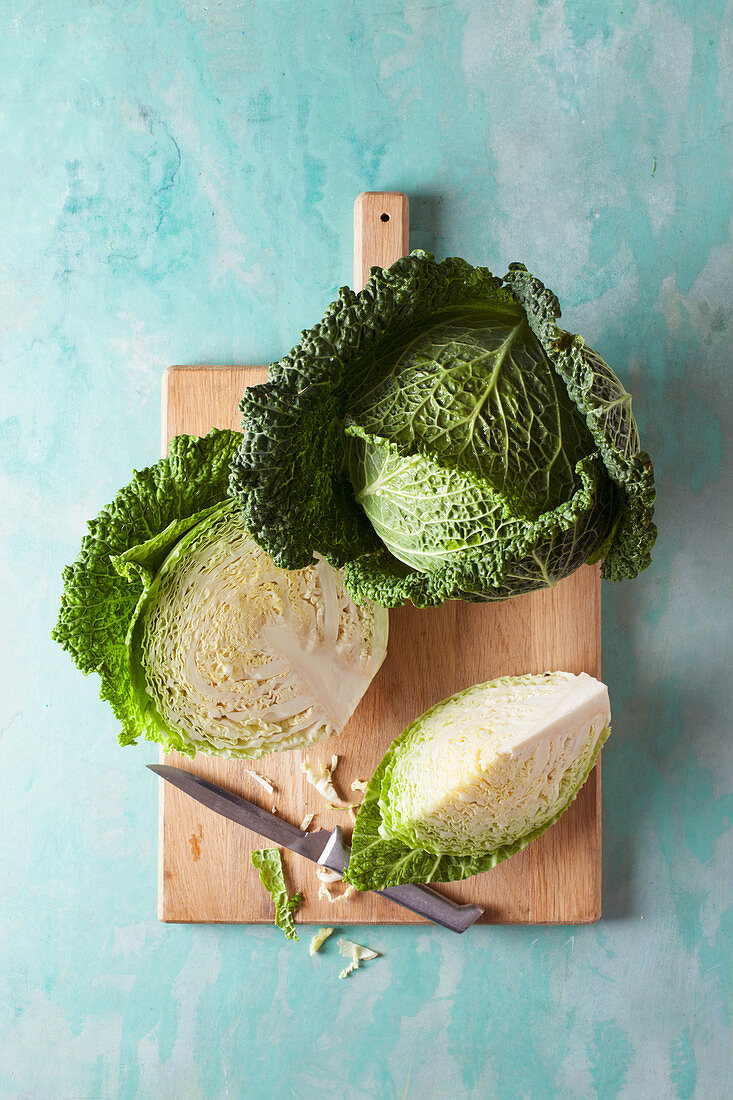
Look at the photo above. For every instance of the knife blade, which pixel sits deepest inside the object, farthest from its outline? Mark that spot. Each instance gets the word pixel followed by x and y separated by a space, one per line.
pixel 327 848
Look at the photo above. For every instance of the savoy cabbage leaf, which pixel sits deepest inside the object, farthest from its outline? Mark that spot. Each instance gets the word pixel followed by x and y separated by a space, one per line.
pixel 268 862
pixel 441 437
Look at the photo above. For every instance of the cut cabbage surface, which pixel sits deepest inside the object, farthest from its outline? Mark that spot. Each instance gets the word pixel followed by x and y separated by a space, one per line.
pixel 477 777
pixel 244 658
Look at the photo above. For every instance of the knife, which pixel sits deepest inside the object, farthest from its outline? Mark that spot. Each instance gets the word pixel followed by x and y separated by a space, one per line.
pixel 328 849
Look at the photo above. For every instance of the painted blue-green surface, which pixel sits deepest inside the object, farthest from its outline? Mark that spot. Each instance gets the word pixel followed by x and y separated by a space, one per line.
pixel 176 186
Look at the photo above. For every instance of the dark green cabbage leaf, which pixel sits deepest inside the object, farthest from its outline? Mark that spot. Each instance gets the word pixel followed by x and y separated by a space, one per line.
pixel 440 437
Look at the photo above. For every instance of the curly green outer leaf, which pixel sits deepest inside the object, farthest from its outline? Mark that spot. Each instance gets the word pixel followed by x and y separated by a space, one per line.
pixel 104 585
pixel 606 406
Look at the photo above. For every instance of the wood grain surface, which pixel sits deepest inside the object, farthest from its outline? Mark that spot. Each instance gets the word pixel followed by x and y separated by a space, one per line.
pixel 205 870
pixel 381 231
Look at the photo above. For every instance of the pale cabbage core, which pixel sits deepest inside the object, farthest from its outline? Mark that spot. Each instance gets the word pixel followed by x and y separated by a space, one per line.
pixel 493 763
pixel 245 658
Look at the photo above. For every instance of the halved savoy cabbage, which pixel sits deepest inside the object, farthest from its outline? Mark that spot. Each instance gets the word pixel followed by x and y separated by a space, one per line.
pixel 440 437
pixel 477 778
pixel 201 641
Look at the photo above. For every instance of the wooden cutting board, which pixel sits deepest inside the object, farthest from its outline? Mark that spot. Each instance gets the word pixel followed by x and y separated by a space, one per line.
pixel 205 870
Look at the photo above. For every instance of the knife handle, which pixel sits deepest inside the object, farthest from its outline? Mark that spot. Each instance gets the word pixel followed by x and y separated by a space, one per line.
pixel 434 907
pixel 418 899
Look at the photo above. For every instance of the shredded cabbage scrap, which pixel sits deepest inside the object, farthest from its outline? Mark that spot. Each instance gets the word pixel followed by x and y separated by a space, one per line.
pixel 328 880
pixel 320 776
pixel 356 953
pixel 263 781
pixel 319 939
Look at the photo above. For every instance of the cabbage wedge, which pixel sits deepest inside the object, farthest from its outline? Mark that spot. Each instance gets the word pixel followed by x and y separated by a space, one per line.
pixel 477 778
pixel 202 643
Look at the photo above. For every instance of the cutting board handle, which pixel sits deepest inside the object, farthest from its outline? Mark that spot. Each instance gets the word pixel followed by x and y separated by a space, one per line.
pixel 381 231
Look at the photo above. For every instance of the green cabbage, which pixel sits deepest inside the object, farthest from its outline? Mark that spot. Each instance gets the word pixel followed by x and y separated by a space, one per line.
pixel 440 437
pixel 202 643
pixel 477 778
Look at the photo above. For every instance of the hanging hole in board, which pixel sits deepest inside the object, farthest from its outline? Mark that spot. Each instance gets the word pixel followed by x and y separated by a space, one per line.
pixel 384 217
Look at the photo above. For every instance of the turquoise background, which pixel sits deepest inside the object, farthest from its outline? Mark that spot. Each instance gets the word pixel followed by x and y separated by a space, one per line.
pixel 176 185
